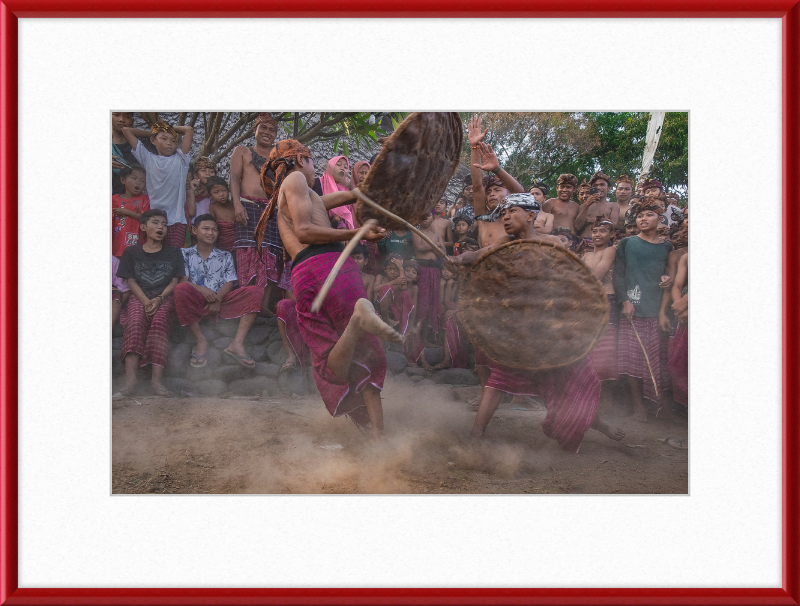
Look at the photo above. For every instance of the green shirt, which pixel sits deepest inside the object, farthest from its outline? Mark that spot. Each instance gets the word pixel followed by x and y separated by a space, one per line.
pixel 637 273
pixel 397 244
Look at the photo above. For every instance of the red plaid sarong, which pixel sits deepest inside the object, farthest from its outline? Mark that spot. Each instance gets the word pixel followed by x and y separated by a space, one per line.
pixel 571 395
pixel 413 348
pixel 604 355
pixel 630 359
pixel 373 264
pixel 456 342
pixel 679 364
pixel 227 232
pixel 288 315
pixel 176 235
pixel 428 296
pixel 192 306
pixel 148 337
pixel 249 266
pixel 322 331
pixel 401 306
pixel 285 282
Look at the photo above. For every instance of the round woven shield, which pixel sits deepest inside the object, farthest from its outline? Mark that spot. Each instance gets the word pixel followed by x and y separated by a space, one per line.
pixel 412 171
pixel 532 305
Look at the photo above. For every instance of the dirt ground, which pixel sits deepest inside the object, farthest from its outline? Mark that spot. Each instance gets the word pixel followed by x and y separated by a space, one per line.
pixel 292 445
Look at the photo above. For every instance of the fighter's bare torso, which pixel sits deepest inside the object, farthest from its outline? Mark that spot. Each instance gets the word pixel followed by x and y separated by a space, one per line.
pixel 314 206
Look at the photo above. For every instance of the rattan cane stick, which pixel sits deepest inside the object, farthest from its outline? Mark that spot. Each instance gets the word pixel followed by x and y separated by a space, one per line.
pixel 646 358
pixel 317 304
pixel 391 215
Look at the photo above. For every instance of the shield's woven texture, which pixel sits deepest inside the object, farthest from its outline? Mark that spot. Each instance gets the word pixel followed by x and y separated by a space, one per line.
pixel 533 305
pixel 412 171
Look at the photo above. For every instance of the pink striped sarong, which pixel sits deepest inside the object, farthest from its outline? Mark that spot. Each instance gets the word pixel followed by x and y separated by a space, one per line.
pixel 250 266
pixel 400 308
pixel 679 365
pixel 604 355
pixel 321 331
pixel 148 337
pixel 192 306
pixel 227 233
pixel 456 342
pixel 630 358
pixel 571 395
pixel 428 295
pixel 288 315
pixel 176 235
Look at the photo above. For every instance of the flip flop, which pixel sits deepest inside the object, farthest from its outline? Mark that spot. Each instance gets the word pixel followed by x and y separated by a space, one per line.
pixel 197 361
pixel 245 360
pixel 287 366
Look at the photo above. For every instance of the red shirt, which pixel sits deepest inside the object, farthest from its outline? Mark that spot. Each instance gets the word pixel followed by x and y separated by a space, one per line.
pixel 125 230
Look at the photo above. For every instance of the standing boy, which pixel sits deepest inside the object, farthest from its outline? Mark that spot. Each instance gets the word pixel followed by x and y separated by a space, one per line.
pixel 197 198
pixel 640 285
pixel 126 209
pixel 623 193
pixel 152 270
pixel 166 173
pixel 207 290
pixel 563 208
pixel 429 275
pixel 596 204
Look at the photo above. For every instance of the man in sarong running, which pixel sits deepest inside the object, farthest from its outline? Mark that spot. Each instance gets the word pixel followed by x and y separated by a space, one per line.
pixel 348 361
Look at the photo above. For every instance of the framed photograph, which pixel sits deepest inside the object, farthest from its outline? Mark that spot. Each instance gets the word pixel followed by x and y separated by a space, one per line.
pixel 88 514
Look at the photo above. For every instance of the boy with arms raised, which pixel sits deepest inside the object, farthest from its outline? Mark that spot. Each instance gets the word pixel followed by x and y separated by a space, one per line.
pixel 207 290
pixel 640 284
pixel 165 173
pixel 152 271
pixel 348 361
pixel 563 208
pixel 571 393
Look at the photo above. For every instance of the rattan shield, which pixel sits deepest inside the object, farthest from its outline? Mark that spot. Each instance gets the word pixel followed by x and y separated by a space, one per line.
pixel 532 305
pixel 413 168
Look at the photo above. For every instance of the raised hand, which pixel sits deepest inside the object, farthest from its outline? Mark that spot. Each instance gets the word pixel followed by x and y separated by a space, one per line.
pixel 489 161
pixel 474 130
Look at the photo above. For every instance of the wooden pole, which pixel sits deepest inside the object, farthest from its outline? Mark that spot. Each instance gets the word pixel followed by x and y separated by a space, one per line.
pixel 646 358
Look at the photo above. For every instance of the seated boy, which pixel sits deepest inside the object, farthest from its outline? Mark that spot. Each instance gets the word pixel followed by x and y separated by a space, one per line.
pixel 221 208
pixel 360 255
pixel 390 293
pixel 152 270
pixel 120 292
pixel 207 290
pixel 126 208
pixel 166 173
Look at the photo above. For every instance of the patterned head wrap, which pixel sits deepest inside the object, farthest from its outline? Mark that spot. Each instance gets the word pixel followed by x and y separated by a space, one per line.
pixel 583 184
pixel 602 221
pixel 567 179
pixel 648 183
pixel 524 201
pixel 649 203
pixel 541 186
pixel 204 162
pixel 492 180
pixel 626 179
pixel 282 159
pixel 600 175
pixel 265 118
pixel 161 127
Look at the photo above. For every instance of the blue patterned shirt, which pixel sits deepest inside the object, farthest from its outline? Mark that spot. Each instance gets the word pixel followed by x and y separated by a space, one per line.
pixel 214 272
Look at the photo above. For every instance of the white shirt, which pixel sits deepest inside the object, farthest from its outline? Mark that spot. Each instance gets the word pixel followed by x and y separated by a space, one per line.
pixel 166 181
pixel 214 272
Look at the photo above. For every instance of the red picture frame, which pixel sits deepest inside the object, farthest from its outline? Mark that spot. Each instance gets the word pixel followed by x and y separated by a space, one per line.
pixel 11 594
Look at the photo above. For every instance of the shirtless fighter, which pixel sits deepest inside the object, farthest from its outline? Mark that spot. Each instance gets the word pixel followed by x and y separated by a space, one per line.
pixel 348 361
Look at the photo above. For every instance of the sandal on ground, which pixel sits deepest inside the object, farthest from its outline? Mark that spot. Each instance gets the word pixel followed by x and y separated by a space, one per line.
pixel 244 360
pixel 288 366
pixel 122 394
pixel 197 361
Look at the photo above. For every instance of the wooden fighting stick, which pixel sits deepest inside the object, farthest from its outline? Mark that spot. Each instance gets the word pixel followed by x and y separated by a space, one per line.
pixel 646 357
pixel 317 305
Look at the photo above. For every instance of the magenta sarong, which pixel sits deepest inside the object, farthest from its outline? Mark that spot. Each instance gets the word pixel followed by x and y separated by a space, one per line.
pixel 679 364
pixel 604 355
pixel 428 296
pixel 288 315
pixel 400 308
pixel 571 395
pixel 630 358
pixel 456 342
pixel 321 332
pixel 192 306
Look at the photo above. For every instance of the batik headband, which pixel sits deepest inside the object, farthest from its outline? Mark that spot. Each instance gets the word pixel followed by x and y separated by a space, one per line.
pixel 524 201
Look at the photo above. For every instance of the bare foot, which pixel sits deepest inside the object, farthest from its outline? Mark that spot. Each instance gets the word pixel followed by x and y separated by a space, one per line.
pixel 615 433
pixel 201 348
pixel 442 366
pixel 368 321
pixel 237 348
pixel 424 363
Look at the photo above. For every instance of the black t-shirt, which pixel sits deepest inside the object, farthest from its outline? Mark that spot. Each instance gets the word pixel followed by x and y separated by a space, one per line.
pixel 152 271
